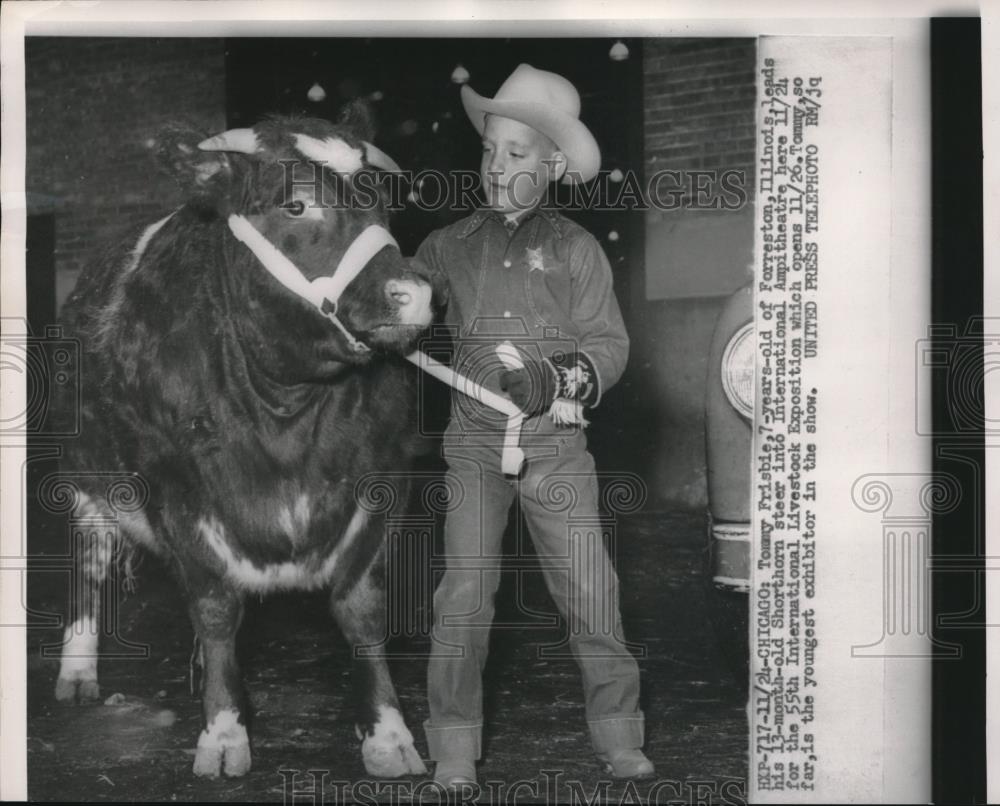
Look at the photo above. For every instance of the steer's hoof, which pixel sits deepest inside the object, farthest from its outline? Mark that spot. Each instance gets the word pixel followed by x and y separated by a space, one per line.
pixel 70 690
pixel 391 756
pixel 234 761
pixel 223 747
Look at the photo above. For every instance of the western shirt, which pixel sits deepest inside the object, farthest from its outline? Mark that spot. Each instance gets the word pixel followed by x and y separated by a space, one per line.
pixel 542 283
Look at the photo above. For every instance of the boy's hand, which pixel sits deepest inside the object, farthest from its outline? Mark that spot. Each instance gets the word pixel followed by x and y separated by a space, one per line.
pixel 533 387
pixel 569 376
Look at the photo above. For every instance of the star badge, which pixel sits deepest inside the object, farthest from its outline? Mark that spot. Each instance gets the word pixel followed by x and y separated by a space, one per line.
pixel 535 259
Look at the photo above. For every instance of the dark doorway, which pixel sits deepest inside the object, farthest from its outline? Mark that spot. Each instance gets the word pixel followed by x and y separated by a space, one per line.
pixel 40 265
pixel 419 114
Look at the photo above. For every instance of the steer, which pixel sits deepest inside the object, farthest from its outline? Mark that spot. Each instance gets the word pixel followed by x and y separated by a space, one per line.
pixel 241 359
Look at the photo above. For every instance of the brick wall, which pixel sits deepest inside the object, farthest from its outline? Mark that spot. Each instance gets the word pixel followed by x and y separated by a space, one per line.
pixel 93 105
pixel 699 109
pixel 699 103
pixel 699 118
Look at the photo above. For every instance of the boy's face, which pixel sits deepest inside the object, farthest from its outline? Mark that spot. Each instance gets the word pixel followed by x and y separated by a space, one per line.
pixel 518 164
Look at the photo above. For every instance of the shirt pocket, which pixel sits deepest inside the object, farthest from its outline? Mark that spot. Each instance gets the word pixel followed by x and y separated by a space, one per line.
pixel 548 291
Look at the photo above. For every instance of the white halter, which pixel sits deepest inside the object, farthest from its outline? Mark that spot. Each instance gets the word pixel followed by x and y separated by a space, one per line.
pixel 323 292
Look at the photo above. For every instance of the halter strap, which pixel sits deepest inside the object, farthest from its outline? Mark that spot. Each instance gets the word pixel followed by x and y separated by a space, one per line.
pixel 323 292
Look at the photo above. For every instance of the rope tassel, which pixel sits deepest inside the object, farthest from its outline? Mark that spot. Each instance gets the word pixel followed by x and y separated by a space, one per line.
pixel 512 457
pixel 567 412
pixel 563 412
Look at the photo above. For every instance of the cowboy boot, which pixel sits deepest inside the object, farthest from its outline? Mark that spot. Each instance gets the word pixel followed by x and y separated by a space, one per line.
pixel 454 773
pixel 627 763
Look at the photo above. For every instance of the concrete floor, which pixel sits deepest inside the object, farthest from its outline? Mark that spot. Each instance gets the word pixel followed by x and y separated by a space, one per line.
pixel 296 669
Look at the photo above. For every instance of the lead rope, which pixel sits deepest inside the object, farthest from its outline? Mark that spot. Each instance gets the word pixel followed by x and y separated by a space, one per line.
pixel 324 292
pixel 512 457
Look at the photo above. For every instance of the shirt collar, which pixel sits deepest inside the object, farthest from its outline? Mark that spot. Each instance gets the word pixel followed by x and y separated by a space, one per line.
pixel 481 216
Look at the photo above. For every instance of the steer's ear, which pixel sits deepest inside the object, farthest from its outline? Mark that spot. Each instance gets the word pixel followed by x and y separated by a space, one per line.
pixel 357 117
pixel 196 170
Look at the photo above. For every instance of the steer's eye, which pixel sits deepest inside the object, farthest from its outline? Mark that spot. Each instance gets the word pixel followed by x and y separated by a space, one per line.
pixel 295 208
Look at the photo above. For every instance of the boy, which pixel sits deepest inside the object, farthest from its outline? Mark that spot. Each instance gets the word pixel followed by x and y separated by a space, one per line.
pixel 524 274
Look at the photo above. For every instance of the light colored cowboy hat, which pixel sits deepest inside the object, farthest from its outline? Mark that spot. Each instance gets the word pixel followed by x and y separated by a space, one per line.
pixel 548 103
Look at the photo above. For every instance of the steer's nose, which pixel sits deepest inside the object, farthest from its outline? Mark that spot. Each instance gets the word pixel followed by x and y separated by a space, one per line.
pixel 413 299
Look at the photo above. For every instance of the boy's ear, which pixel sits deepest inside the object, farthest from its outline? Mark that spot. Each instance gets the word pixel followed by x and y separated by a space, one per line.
pixel 557 166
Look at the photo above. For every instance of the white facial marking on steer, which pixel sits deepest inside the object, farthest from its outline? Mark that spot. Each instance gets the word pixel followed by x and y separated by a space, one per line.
pixel 78 665
pixel 286 575
pixel 341 157
pixel 223 746
pixel 140 247
pixel 389 751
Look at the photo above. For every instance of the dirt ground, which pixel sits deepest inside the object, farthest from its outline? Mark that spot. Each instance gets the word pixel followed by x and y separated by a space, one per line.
pixel 296 670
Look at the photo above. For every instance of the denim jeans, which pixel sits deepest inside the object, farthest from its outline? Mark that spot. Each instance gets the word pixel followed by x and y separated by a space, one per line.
pixel 558 493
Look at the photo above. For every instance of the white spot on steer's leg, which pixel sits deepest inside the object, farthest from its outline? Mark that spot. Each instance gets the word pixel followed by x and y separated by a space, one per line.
pixel 87 507
pixel 389 751
pixel 341 157
pixel 136 525
pixel 223 747
pixel 78 666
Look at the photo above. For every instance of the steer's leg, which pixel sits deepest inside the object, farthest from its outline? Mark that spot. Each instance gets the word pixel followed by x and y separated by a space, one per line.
pixel 216 611
pixel 92 555
pixel 387 747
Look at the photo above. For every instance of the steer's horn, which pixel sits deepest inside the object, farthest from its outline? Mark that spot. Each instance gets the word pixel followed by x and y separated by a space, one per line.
pixel 242 141
pixel 379 159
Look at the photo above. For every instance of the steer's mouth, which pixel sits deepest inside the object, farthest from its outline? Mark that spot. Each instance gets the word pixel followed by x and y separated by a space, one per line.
pixel 411 301
pixel 392 316
pixel 409 312
pixel 394 337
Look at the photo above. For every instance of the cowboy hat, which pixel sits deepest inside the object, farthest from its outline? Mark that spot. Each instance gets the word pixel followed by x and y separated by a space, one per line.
pixel 549 104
